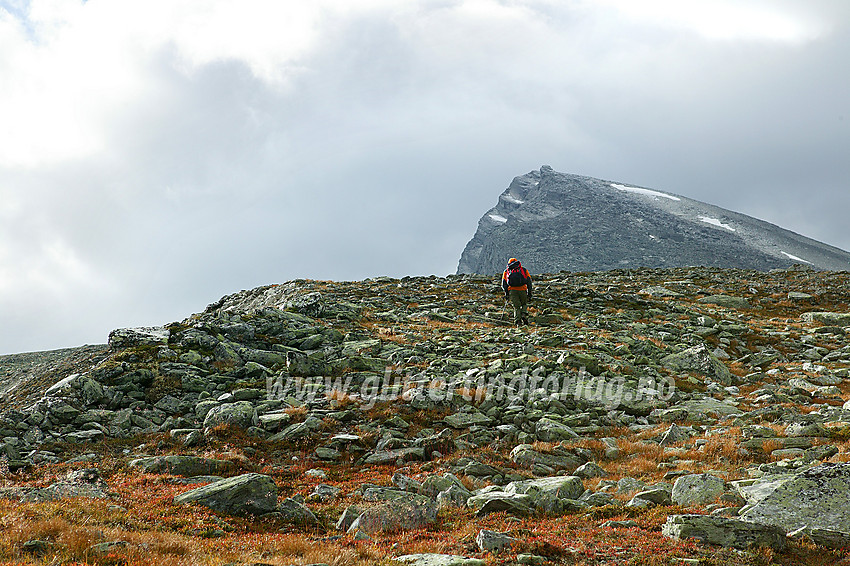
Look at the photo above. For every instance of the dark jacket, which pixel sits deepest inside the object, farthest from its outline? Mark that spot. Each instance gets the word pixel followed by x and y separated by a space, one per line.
pixel 526 286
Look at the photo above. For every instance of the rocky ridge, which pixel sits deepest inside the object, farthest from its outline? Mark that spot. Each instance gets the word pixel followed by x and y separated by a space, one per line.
pixel 555 221
pixel 717 394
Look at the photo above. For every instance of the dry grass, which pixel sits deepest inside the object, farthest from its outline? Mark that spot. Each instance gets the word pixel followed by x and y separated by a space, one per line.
pixel 725 448
pixel 298 414
pixel 475 395
pixel 339 400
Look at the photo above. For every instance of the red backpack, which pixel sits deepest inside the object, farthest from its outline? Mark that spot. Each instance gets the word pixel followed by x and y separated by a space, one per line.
pixel 516 277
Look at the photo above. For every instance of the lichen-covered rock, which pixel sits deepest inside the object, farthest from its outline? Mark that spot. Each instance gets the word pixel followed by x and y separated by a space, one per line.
pixel 493 541
pixel 525 455
pixel 519 504
pixel 815 498
pixel 139 336
pixel 439 560
pixel 697 489
pixel 241 414
pixel 549 430
pixel 396 516
pixel 827 318
pixel 559 487
pixel 248 494
pixel 724 531
pixel 699 360
pixel 183 465
pixel 295 512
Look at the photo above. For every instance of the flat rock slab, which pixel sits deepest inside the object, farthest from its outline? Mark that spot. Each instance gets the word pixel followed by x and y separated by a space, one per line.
pixel 439 560
pixel 182 465
pixel 816 498
pixel 560 487
pixel 724 532
pixel 248 494
pixel 466 420
pixel 518 504
pixel 139 336
pixel 525 455
pixel 828 318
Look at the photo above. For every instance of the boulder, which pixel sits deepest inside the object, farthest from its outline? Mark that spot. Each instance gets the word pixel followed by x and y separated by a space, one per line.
pixel 382 457
pixel 139 336
pixel 183 465
pixel 590 470
pixel 86 482
pixel 724 531
pixel 699 359
pixel 466 420
pixel 248 494
pixel 674 435
pixel 559 487
pixel 650 497
pixel 241 414
pixel 439 560
pixel 816 498
pixel 454 496
pixel 697 489
pixel 827 318
pixel 519 504
pixel 295 512
pixel 347 518
pixel 754 490
pixel 548 430
pixel 525 455
pixel 434 484
pixel 395 516
pixel 492 541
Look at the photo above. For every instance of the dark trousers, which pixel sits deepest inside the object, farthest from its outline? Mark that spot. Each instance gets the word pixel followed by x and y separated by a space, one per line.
pixel 519 299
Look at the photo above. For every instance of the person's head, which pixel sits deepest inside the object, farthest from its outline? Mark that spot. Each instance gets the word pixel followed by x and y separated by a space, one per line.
pixel 512 261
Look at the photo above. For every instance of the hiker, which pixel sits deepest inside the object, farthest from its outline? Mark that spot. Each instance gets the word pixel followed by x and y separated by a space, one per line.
pixel 516 282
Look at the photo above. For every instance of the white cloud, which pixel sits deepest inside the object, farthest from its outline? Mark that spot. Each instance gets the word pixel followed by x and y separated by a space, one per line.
pixel 725 19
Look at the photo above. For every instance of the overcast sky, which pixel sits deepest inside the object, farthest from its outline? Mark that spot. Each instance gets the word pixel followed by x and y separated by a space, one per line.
pixel 158 154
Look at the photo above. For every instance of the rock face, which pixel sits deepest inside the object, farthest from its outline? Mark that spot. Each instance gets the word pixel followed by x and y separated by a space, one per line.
pixel 554 221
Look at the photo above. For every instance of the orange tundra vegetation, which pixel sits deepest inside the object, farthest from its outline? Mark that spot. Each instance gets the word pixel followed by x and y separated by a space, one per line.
pixel 436 329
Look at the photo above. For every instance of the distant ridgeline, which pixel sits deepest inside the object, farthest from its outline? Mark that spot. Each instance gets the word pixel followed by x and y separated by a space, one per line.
pixel 555 221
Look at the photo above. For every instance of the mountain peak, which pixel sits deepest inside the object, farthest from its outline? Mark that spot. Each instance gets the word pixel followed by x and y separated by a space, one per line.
pixel 560 221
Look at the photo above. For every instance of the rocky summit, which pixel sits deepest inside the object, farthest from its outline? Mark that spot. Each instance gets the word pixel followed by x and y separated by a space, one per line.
pixel 646 416
pixel 555 221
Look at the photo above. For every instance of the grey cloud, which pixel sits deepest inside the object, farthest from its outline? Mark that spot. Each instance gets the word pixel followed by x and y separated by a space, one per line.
pixel 395 135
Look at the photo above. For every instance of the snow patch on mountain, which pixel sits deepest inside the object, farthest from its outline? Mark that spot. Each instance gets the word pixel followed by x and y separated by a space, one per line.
pixel 716 222
pixel 640 191
pixel 795 258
